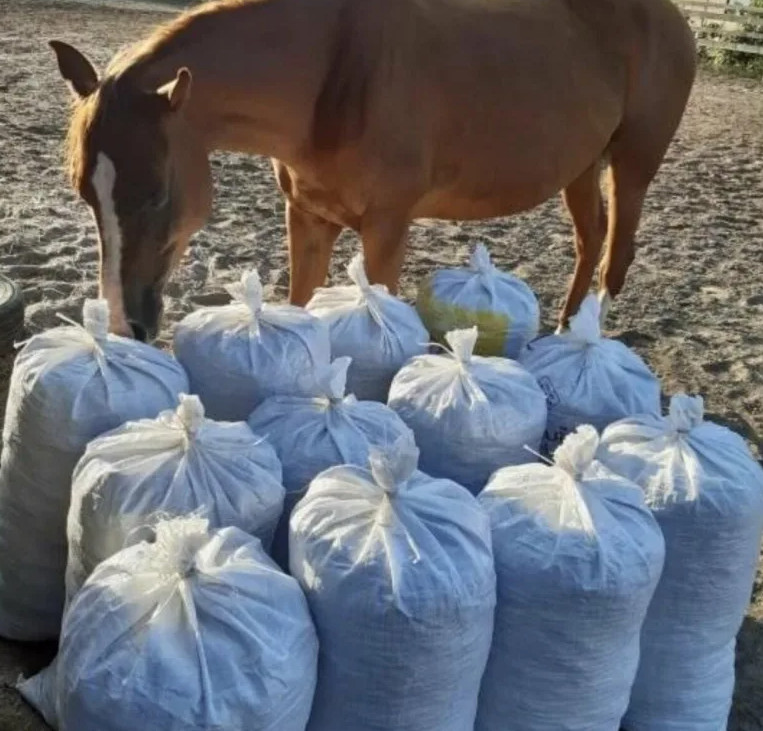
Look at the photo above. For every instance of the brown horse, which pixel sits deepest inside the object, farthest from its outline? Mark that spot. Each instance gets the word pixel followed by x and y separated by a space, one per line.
pixel 376 113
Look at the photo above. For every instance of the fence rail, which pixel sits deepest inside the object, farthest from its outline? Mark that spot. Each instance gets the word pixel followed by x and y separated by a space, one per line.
pixel 726 25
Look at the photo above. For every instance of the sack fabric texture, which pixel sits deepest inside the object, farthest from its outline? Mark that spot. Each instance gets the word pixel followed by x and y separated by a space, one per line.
pixel 199 630
pixel 502 307
pixel 69 385
pixel 177 464
pixel 706 491
pixel 373 327
pixel 313 434
pixel 578 556
pixel 470 414
pixel 398 571
pixel 587 378
pixel 239 354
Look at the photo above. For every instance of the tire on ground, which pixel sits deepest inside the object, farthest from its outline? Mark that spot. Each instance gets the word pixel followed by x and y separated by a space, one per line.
pixel 11 314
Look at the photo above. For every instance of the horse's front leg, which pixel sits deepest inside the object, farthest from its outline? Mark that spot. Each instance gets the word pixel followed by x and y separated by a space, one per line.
pixel 385 237
pixel 311 241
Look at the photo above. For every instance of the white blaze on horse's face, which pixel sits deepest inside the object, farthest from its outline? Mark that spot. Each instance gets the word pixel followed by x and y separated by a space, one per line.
pixel 103 181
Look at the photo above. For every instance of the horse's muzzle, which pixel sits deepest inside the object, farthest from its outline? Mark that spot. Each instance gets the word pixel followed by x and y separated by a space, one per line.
pixel 144 311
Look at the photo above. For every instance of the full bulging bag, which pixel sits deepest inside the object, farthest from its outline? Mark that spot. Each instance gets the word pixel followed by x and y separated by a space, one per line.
pixel 578 556
pixel 398 572
pixel 69 385
pixel 502 307
pixel 199 630
pixel 240 354
pixel 470 414
pixel 180 463
pixel 373 327
pixel 706 492
pixel 587 378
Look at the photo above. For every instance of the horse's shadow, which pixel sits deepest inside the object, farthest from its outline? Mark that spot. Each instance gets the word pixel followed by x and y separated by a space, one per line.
pixel 747 711
pixel 742 427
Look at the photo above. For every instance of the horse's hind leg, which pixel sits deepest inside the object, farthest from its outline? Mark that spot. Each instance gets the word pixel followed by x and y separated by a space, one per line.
pixel 656 103
pixel 586 207
pixel 636 153
pixel 627 191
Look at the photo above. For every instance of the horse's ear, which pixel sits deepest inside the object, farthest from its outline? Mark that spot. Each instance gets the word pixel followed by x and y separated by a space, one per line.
pixel 178 90
pixel 76 69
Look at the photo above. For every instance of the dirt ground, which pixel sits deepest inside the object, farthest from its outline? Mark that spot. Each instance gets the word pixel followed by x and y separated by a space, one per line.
pixel 693 305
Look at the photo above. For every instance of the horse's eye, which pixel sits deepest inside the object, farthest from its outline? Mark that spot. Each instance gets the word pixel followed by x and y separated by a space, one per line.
pixel 158 199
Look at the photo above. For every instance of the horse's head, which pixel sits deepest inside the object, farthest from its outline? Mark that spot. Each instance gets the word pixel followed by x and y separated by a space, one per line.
pixel 135 160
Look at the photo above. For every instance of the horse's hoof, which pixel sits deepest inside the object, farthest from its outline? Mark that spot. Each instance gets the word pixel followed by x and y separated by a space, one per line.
pixel 605 302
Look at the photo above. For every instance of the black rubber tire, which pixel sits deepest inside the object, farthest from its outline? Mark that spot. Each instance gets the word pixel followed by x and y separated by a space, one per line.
pixel 11 314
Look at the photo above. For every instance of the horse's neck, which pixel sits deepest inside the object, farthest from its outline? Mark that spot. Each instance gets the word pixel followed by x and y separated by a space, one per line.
pixel 257 69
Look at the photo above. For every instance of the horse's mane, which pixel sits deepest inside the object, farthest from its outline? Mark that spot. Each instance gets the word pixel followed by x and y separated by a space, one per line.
pixel 164 39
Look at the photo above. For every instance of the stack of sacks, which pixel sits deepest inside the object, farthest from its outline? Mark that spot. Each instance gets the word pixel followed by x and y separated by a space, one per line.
pixel 398 571
pixel 178 464
pixel 501 306
pixel 313 434
pixel 706 491
pixel 578 556
pixel 69 385
pixel 238 355
pixel 196 631
pixel 371 326
pixel 587 378
pixel 470 414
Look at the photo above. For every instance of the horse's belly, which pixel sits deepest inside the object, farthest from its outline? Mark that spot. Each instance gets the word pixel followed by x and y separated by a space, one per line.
pixel 450 205
pixel 504 139
pixel 506 184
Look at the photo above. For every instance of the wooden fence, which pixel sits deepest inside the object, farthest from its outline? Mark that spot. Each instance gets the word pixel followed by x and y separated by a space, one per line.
pixel 725 25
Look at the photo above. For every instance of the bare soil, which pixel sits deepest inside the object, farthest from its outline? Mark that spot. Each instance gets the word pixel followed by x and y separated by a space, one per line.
pixel 693 306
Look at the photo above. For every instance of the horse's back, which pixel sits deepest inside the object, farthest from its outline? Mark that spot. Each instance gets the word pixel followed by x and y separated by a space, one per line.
pixel 547 88
pixel 488 107
pixel 522 95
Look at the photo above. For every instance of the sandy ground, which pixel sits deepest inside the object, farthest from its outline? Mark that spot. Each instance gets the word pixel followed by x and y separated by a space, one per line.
pixel 693 306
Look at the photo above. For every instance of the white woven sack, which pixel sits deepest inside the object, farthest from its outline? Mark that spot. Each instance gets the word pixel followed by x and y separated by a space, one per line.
pixel 499 304
pixel 313 434
pixel 470 414
pixel 578 556
pixel 239 354
pixel 197 631
pixel 177 464
pixel 587 378
pixel 706 491
pixel 69 385
pixel 373 327
pixel 398 571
